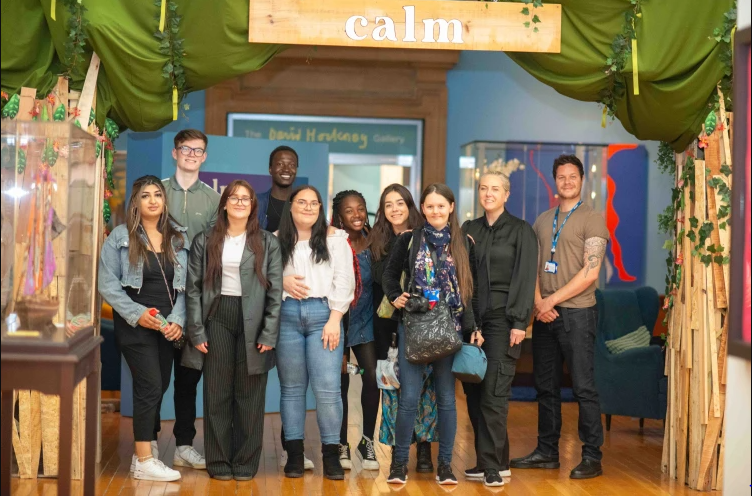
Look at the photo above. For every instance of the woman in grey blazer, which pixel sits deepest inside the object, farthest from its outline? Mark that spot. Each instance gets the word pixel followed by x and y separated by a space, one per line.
pixel 233 300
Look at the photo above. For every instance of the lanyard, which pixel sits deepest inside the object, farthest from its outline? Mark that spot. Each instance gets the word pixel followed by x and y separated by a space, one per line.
pixel 555 235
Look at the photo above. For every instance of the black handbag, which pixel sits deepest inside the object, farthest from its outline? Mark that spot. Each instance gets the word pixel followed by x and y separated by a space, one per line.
pixel 429 335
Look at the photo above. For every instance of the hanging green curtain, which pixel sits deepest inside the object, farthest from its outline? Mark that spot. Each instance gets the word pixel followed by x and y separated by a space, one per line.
pixel 679 62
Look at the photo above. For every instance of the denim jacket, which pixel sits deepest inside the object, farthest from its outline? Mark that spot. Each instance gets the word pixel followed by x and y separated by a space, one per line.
pixel 116 272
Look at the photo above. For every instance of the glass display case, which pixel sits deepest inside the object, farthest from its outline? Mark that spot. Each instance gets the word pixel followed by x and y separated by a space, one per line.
pixel 528 166
pixel 50 215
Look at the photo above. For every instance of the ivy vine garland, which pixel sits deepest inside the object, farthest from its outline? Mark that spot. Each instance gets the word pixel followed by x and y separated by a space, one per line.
pixel 74 47
pixel 171 46
pixel 621 50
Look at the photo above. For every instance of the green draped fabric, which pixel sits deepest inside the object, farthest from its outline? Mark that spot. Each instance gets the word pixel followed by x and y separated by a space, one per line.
pixel 679 63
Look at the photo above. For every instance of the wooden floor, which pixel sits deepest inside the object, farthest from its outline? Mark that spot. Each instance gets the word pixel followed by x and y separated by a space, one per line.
pixel 631 463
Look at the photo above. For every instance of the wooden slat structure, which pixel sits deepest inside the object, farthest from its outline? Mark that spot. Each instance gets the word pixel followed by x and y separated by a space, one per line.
pixel 696 344
pixel 38 432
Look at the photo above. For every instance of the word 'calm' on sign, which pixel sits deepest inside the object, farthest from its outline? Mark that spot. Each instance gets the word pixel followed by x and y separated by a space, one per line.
pixel 446 24
pixel 385 29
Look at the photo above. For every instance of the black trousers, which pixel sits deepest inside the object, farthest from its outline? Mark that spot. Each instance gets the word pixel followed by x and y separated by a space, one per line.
pixel 233 399
pixel 186 387
pixel 488 402
pixel 382 335
pixel 149 357
pixel 369 395
pixel 570 337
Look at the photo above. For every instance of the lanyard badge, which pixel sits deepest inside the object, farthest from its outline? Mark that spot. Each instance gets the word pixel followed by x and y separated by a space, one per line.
pixel 552 267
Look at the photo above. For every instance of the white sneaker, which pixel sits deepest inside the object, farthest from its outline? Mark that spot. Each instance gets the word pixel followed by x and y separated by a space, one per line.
pixel 307 464
pixel 186 456
pixel 154 470
pixel 505 473
pixel 344 456
pixel 154 454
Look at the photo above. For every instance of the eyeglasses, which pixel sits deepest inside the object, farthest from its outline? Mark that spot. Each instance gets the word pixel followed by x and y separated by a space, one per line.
pixel 302 204
pixel 187 150
pixel 243 200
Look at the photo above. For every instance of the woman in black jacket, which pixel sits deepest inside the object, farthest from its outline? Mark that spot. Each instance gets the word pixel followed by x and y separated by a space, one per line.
pixel 233 301
pixel 507 252
pixel 440 258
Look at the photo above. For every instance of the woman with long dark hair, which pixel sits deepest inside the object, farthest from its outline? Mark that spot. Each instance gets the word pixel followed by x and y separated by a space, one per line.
pixel 349 213
pixel 142 274
pixel 397 213
pixel 441 260
pixel 319 285
pixel 507 251
pixel 233 298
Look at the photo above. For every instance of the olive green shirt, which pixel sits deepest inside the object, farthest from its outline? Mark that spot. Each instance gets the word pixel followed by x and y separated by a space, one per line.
pixel 194 208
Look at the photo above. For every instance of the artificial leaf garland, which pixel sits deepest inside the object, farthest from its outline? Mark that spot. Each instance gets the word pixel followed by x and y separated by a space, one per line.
pixel 74 47
pixel 171 46
pixel 10 110
pixel 623 46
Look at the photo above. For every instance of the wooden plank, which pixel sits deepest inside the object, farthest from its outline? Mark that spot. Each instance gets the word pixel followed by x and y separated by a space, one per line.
pixel 26 104
pixel 472 25
pixel 23 451
pixel 709 447
pixel 674 413
pixel 21 459
pixel 715 404
pixel 686 345
pixel 721 459
pixel 50 433
pixel 704 357
pixel 88 91
pixel 695 429
pixel 35 433
pixel 681 451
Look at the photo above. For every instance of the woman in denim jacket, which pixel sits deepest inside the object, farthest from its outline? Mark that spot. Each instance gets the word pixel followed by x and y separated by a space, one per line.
pixel 142 271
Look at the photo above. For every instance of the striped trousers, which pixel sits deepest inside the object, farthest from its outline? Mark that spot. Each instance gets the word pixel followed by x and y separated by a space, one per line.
pixel 233 400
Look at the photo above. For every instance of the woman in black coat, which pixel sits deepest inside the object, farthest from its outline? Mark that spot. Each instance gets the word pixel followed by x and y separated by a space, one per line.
pixel 233 301
pixel 507 252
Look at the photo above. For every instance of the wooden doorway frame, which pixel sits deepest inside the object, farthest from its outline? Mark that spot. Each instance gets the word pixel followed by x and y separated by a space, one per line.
pixel 347 82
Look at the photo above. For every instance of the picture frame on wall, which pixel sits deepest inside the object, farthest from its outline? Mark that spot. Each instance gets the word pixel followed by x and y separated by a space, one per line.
pixel 739 304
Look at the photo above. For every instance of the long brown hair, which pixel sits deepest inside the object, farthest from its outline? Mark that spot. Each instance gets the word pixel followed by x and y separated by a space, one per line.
pixel 457 243
pixel 382 232
pixel 216 241
pixel 172 239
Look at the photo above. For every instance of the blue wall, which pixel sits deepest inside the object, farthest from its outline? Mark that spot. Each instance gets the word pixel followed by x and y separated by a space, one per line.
pixel 492 98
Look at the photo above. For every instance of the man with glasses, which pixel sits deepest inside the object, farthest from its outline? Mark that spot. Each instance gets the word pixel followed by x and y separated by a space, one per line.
pixel 283 167
pixel 193 204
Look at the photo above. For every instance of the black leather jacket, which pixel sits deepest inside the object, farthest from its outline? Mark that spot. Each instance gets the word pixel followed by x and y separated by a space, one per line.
pixel 261 306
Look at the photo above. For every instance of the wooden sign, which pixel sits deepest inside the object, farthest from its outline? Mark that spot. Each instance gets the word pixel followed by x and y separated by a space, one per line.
pixel 444 25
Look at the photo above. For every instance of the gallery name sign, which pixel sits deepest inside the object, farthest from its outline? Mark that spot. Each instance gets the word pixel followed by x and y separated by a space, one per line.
pixel 446 25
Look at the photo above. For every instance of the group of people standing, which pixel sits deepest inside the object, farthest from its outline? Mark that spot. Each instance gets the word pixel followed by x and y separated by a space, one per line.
pixel 235 284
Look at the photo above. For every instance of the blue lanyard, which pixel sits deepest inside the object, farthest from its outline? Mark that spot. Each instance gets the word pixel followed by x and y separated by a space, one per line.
pixel 555 235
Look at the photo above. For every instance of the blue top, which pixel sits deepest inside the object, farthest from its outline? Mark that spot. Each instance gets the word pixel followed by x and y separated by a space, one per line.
pixel 361 315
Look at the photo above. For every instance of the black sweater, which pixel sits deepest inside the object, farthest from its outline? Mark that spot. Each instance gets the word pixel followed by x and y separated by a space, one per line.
pixel 507 266
pixel 401 260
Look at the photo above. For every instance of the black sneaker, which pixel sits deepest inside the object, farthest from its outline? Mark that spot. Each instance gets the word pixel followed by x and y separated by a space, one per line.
pixel 397 473
pixel 368 454
pixel 492 478
pixel 445 475
pixel 474 473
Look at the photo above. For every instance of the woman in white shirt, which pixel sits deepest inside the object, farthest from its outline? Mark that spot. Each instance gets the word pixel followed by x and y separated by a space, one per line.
pixel 319 285
pixel 233 300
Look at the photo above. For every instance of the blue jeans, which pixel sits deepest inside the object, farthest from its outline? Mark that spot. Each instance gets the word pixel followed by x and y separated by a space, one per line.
pixel 301 357
pixel 411 383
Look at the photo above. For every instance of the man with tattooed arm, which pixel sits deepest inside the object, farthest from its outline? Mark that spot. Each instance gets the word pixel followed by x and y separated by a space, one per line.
pixel 572 242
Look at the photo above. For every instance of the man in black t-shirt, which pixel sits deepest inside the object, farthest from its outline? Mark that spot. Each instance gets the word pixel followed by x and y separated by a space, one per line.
pixel 283 167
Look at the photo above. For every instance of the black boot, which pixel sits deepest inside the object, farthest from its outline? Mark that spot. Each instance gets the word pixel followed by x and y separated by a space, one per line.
pixel 587 469
pixel 332 468
pixel 294 468
pixel 424 465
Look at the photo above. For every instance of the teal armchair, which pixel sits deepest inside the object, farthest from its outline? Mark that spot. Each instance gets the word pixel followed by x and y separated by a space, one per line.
pixel 631 383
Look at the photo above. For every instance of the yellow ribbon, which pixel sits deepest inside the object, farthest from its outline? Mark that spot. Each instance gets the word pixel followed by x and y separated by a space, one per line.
pixel 174 103
pixel 52 10
pixel 162 15
pixel 603 119
pixel 635 70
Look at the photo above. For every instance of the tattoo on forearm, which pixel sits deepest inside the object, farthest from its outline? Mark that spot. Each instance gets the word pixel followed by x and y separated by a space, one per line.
pixel 595 249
